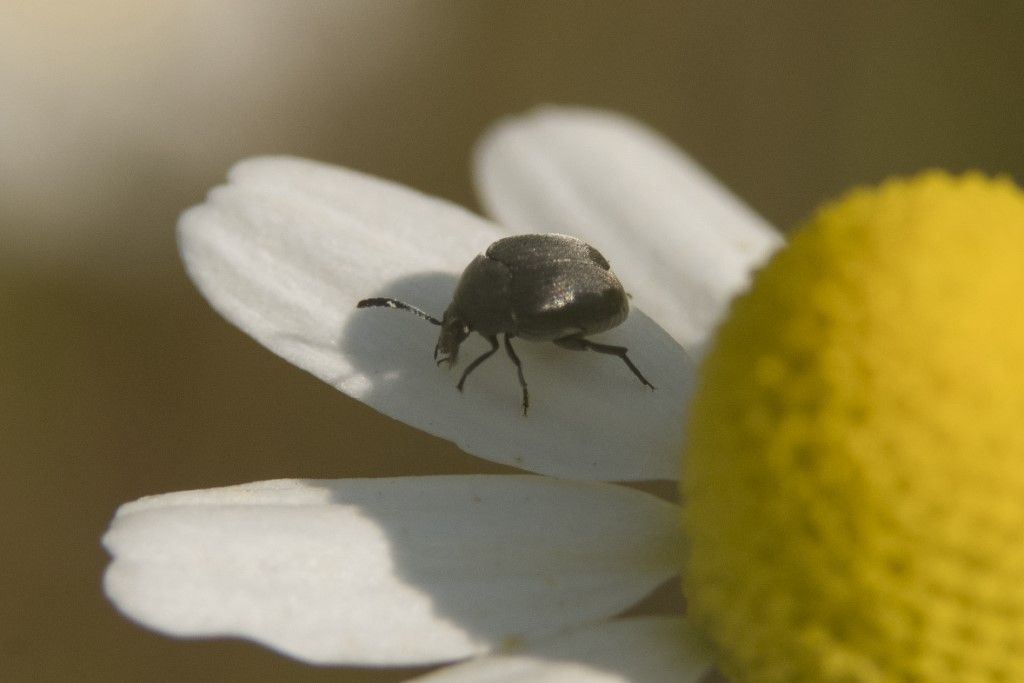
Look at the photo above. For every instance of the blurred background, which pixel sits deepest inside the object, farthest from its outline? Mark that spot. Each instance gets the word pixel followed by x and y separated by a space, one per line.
pixel 117 380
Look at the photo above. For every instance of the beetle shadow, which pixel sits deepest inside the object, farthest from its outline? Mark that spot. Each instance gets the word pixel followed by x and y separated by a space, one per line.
pixel 383 356
pixel 390 345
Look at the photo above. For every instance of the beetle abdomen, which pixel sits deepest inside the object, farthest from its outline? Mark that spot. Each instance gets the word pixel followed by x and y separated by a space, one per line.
pixel 561 299
pixel 559 286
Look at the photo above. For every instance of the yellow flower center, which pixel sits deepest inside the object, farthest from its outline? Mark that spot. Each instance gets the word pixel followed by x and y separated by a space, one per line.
pixel 853 489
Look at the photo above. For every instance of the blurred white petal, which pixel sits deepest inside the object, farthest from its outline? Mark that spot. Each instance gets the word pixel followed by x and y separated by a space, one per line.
pixel 684 245
pixel 389 571
pixel 647 650
pixel 288 247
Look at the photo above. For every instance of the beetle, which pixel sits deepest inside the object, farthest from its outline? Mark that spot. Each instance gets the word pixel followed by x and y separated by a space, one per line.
pixel 543 287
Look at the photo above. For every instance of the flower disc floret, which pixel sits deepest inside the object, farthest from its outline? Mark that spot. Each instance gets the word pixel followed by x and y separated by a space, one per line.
pixel 854 481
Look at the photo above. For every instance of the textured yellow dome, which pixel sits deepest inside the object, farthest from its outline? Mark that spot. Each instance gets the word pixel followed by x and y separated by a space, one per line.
pixel 853 488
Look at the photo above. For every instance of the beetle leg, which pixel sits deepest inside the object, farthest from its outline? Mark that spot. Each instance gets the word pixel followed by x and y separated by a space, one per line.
pixel 519 370
pixel 577 343
pixel 472 366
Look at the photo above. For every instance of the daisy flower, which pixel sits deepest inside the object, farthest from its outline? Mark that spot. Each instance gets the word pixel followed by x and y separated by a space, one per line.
pixel 804 522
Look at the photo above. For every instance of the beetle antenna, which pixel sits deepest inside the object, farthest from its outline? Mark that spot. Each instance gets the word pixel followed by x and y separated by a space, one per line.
pixel 394 303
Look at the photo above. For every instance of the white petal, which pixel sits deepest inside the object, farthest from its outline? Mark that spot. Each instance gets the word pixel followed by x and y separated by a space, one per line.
pixel 289 246
pixel 648 650
pixel 681 242
pixel 389 571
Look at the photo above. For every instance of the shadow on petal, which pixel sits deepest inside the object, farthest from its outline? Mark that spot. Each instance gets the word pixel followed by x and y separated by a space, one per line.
pixel 503 560
pixel 589 416
pixel 402 571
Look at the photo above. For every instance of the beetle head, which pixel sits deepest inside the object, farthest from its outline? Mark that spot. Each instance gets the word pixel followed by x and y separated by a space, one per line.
pixel 453 332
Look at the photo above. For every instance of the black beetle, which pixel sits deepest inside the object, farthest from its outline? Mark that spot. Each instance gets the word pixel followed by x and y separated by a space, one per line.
pixel 539 287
